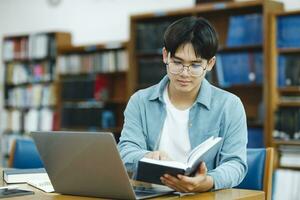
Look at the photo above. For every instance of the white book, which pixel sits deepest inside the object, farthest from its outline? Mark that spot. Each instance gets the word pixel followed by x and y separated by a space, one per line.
pixel 42 183
pixel 23 175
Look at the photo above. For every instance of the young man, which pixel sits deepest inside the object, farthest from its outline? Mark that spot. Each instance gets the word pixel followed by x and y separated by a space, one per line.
pixel 168 120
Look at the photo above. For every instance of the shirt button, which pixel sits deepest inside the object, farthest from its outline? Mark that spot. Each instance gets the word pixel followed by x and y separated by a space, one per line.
pixel 190 124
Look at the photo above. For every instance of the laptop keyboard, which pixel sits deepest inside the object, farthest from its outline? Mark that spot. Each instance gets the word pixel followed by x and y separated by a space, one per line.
pixel 141 191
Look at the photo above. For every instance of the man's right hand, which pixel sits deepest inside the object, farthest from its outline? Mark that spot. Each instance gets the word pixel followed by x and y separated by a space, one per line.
pixel 157 155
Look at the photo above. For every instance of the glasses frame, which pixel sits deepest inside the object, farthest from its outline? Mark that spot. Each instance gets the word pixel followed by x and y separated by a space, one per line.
pixel 183 66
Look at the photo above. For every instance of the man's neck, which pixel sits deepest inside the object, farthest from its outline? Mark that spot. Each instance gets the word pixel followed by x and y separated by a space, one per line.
pixel 182 100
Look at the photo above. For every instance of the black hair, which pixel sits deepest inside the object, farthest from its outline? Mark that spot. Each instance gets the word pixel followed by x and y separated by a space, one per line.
pixel 197 31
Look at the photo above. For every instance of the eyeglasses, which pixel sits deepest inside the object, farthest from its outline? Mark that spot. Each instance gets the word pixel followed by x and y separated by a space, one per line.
pixel 177 67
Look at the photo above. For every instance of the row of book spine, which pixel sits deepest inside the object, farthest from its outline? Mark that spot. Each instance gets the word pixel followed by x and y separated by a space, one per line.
pixel 287 29
pixel 21 73
pixel 18 121
pixel 238 33
pixel 288 70
pixel 286 184
pixel 150 34
pixel 289 156
pixel 88 116
pixel 96 88
pixel 242 68
pixel 36 95
pixel 35 46
pixel 287 124
pixel 97 62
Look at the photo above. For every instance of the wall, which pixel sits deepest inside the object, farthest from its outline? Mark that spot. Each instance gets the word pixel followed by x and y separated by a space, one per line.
pixel 89 21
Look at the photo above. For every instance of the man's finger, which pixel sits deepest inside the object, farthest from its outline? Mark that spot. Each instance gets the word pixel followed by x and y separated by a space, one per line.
pixel 202 168
pixel 156 155
pixel 169 181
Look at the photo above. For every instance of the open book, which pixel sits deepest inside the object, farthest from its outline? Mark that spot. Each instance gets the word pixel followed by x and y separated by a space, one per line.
pixel 150 170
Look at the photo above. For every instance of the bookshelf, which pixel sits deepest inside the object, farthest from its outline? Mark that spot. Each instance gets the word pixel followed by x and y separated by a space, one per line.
pixel 93 87
pixel 29 83
pixel 146 42
pixel 284 110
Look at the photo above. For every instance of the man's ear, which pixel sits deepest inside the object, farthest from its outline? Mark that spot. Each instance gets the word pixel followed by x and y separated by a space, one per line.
pixel 211 63
pixel 165 55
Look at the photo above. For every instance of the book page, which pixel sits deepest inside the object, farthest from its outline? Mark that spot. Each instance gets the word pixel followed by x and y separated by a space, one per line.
pixel 201 149
pixel 168 163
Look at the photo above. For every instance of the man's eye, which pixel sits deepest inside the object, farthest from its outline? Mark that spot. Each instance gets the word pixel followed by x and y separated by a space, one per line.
pixel 196 65
pixel 177 62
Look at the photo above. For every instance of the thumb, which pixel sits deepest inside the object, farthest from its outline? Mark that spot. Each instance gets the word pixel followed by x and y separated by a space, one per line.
pixel 202 168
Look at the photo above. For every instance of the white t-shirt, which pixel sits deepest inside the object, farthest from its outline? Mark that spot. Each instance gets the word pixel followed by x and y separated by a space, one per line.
pixel 175 138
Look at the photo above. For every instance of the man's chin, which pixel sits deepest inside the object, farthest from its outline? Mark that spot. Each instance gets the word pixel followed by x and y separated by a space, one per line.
pixel 184 89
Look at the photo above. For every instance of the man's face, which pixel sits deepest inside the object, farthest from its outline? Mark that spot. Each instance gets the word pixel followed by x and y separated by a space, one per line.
pixel 187 81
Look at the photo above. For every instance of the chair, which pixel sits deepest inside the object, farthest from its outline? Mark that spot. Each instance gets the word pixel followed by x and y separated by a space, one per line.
pixel 24 154
pixel 260 171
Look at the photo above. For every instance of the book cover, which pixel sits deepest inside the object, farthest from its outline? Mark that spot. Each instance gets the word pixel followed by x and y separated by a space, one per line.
pixel 150 170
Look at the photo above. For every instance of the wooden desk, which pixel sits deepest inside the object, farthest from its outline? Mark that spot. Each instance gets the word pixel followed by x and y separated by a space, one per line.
pixel 228 194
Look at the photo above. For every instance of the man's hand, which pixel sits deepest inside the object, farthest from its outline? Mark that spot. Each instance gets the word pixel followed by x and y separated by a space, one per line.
pixel 157 155
pixel 199 183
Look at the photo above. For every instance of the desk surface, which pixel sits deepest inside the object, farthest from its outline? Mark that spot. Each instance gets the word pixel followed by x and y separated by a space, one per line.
pixel 218 195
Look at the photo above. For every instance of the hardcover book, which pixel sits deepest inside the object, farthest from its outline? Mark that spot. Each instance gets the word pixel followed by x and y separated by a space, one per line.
pixel 150 170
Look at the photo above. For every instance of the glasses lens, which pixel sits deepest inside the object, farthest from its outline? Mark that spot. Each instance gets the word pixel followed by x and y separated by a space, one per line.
pixel 196 71
pixel 177 68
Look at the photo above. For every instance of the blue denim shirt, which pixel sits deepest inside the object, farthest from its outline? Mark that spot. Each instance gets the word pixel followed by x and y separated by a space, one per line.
pixel 214 113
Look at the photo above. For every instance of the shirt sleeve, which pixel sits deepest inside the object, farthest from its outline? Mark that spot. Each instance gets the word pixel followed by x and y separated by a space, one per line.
pixel 232 165
pixel 132 145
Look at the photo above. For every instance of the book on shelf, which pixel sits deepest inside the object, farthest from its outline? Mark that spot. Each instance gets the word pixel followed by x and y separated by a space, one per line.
pixel 286 184
pixel 34 46
pixel 287 26
pixel 288 70
pixel 23 175
pixel 150 35
pixel 87 115
pixel 241 68
pixel 102 87
pixel 238 31
pixel 151 71
pixel 107 61
pixel 287 126
pixel 150 170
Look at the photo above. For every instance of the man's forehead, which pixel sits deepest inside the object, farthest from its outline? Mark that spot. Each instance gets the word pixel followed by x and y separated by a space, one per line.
pixel 187 58
pixel 187 52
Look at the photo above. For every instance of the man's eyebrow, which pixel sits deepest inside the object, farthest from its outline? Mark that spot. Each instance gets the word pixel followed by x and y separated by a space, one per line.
pixel 193 61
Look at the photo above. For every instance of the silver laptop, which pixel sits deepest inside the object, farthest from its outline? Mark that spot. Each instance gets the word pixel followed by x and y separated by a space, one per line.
pixel 88 164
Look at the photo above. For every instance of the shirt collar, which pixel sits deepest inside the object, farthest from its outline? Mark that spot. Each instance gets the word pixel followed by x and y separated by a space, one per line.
pixel 204 96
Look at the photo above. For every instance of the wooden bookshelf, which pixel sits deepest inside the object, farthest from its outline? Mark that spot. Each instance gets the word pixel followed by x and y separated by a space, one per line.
pixel 279 92
pixel 295 89
pixel 289 104
pixel 253 96
pixel 29 67
pixel 91 62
